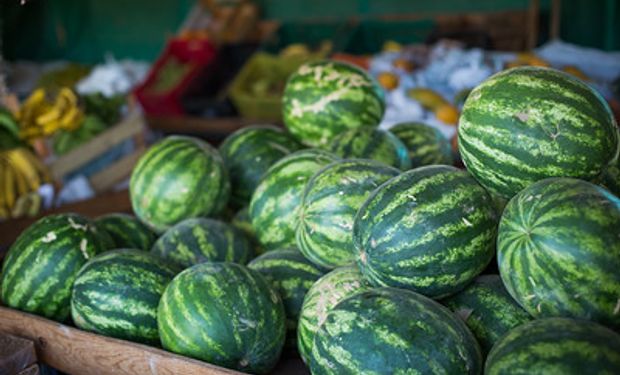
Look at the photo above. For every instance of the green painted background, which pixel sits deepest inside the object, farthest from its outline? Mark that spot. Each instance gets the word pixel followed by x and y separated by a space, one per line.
pixel 84 30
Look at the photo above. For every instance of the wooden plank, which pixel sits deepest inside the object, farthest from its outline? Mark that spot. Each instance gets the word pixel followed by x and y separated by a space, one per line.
pixel 75 351
pixel 131 126
pixel 211 129
pixel 116 172
pixel 16 354
pixel 100 205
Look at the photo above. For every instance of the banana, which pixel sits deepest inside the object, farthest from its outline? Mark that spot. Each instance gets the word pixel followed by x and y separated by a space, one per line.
pixel 35 99
pixel 8 185
pixel 51 116
pixel 428 98
pixel 72 119
pixel 19 162
pixel 21 182
pixel 4 213
pixel 3 166
pixel 69 96
pixel 38 165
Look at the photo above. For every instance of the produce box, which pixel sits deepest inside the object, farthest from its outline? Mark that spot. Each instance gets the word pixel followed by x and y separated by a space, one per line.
pixel 257 89
pixel 74 351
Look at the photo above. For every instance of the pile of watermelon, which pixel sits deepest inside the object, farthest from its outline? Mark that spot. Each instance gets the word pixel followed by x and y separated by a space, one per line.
pixel 366 252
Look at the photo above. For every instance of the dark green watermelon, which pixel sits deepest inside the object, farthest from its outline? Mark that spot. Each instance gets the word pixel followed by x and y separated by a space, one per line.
pixel 275 204
pixel 292 275
pixel 431 230
pixel 558 250
pixel 564 129
pixel 241 220
pixel 487 309
pixel 225 314
pixel 199 240
pixel 393 331
pixel 371 143
pixel 126 231
pixel 325 98
pixel 116 294
pixel 611 177
pixel 331 199
pixel 40 267
pixel 249 152
pixel 426 145
pixel 330 289
pixel 556 346
pixel 178 178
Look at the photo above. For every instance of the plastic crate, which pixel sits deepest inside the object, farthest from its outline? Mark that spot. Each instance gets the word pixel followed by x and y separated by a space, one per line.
pixel 263 67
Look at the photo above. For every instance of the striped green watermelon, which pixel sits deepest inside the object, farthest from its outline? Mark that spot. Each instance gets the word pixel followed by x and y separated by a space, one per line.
pixel 199 240
pixel 393 331
pixel 241 220
pixel 526 124
pixel 426 145
pixel 558 250
pixel 487 309
pixel 178 178
pixel 116 294
pixel 249 152
pixel 370 143
pixel 292 275
pixel 40 267
pixel 275 204
pixel 225 314
pixel 325 98
pixel 331 200
pixel 556 346
pixel 611 177
pixel 330 289
pixel 431 230
pixel 126 231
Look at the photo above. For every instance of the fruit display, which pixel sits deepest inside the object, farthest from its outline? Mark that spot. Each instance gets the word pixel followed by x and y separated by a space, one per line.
pixel 371 143
pixel 40 267
pixel 544 232
pixel 127 231
pixel 564 129
pixel 323 99
pixel 38 117
pixel 375 332
pixel 556 346
pixel 426 145
pixel 198 240
pixel 487 309
pixel 275 204
pixel 249 152
pixel 291 274
pixel 178 178
pixel 331 199
pixel 117 293
pixel 244 330
pixel 430 229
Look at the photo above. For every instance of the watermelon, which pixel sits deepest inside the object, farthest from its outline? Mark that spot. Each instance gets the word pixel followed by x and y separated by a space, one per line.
pixel 291 275
pixel 558 250
pixel 325 98
pixel 487 309
pixel 199 240
pixel 40 267
pixel 393 331
pixel 370 143
pixel 225 314
pixel 178 178
pixel 330 201
pixel 126 231
pixel 248 153
pixel 556 346
pixel 275 204
pixel 563 129
pixel 116 294
pixel 426 145
pixel 430 229
pixel 241 221
pixel 330 289
pixel 611 177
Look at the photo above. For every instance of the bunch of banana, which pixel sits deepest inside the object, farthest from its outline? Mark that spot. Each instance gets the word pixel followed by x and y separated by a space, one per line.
pixel 432 101
pixel 21 175
pixel 40 118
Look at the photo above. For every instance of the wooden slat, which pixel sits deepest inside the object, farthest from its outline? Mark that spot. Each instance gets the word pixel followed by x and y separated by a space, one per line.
pixel 213 130
pixel 116 172
pixel 16 354
pixel 74 351
pixel 131 126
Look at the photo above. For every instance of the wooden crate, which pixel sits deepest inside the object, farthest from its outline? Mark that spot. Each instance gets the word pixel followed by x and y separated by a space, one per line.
pixel 74 351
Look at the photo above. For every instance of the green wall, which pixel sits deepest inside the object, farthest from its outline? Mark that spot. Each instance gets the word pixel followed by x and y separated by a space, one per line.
pixel 84 30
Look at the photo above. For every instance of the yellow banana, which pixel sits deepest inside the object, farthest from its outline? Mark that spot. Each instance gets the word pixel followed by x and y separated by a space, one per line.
pixel 72 119
pixel 19 162
pixel 70 97
pixel 51 116
pixel 8 185
pixel 26 205
pixel 35 99
pixel 3 166
pixel 38 165
pixel 428 98
pixel 35 204
pixel 21 183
